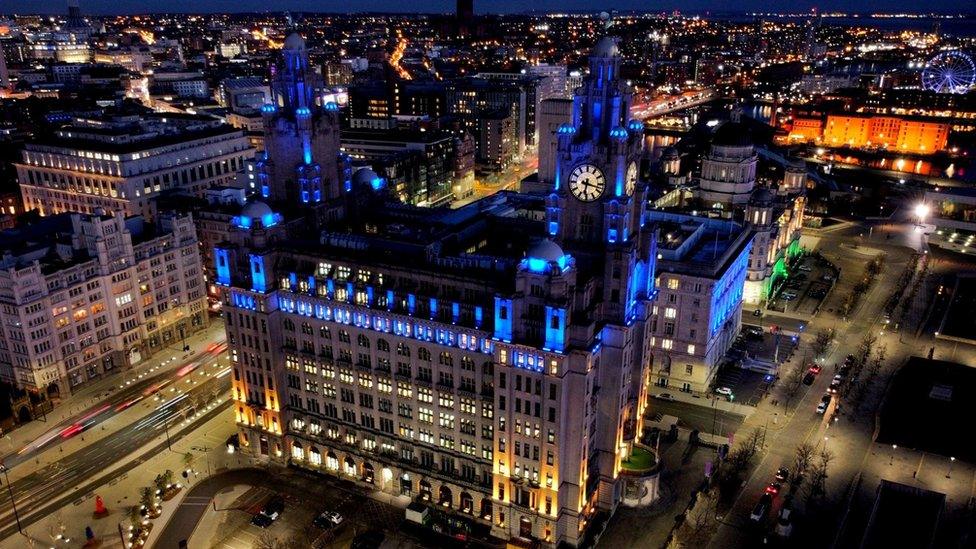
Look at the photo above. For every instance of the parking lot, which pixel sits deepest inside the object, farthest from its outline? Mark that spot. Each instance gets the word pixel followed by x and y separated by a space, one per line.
pixel 806 287
pixel 235 529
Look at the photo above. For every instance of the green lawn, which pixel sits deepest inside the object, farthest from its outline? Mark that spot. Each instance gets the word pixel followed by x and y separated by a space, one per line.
pixel 640 459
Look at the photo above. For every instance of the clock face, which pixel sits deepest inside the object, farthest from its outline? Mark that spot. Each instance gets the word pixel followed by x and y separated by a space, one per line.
pixel 631 177
pixel 587 182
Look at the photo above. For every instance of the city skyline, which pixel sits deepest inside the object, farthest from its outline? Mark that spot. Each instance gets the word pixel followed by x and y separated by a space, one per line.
pixel 286 280
pixel 99 7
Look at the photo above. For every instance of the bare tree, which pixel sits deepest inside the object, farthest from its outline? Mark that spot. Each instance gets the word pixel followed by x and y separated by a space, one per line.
pixel 699 520
pixel 801 461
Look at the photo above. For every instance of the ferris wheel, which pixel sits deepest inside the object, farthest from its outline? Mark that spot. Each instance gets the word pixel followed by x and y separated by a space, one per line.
pixel 949 72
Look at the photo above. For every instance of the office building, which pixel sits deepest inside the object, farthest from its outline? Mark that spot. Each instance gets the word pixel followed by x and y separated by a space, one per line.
pixel 121 163
pixel 87 295
pixel 485 361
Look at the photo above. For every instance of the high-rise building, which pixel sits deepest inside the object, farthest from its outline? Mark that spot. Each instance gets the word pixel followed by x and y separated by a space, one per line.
pixel 465 17
pixel 86 295
pixel 4 75
pixel 553 113
pixel 300 164
pixel 489 359
pixel 120 164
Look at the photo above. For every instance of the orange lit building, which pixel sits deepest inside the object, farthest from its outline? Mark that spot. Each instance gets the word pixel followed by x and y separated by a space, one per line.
pixel 896 133
pixel 890 132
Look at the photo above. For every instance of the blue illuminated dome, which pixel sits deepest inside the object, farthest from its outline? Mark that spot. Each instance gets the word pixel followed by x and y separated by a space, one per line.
pixel 366 176
pixel 256 214
pixel 635 125
pixel 618 133
pixel 543 253
pixel 331 106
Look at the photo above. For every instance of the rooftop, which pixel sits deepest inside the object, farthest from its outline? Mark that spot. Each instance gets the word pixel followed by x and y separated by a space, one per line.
pixel 697 245
pixel 926 400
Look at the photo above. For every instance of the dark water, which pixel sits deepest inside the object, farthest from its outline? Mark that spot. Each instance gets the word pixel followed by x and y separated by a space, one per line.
pixel 965 27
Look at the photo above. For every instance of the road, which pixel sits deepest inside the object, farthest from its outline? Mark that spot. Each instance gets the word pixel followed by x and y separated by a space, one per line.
pixel 144 388
pixel 698 417
pixel 193 394
pixel 850 439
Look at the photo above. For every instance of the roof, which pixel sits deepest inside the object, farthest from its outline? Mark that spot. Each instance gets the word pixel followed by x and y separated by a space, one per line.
pixel 606 47
pixel 903 516
pixel 732 134
pixel 294 42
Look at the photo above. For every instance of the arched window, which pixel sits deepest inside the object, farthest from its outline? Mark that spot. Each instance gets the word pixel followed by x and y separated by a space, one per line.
pixel 306 328
pixel 325 332
pixel 382 345
pixel 403 350
pixel 288 325
pixel 446 359
pixel 363 341
pixel 423 354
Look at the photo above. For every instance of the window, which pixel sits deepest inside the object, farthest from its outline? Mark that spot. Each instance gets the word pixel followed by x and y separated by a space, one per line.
pixel 689 369
pixel 673 283
pixel 691 349
pixel 446 420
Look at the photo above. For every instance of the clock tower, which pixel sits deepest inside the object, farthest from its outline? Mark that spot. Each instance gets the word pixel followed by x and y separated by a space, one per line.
pixel 594 213
pixel 598 200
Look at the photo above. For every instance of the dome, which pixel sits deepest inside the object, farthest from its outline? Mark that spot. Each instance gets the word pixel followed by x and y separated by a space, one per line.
pixel 547 250
pixel 256 210
pixel 606 47
pixel 761 195
pixel 294 42
pixel 366 177
pixel 732 134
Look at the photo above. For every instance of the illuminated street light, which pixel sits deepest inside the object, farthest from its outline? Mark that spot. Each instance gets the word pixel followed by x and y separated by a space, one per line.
pixel 922 211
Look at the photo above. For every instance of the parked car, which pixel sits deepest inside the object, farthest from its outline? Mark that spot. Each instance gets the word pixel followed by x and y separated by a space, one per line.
pixel 805 268
pixel 827 277
pixel 834 386
pixel 824 403
pixel 815 368
pixel 788 296
pixel 327 520
pixel 269 513
pixel 664 396
pixel 782 474
pixel 784 524
pixel 808 378
pixel 762 508
pixel 754 332
pixel 773 488
pixel 724 391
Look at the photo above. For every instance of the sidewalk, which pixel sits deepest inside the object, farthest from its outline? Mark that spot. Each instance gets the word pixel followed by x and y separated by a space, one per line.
pixel 123 492
pixel 90 394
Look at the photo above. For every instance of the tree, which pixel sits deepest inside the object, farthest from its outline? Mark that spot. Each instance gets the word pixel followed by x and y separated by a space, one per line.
pixel 146 497
pixel 801 461
pixel 135 517
pixel 793 381
pixel 698 521
pixel 188 459
pixel 753 442
pixel 817 488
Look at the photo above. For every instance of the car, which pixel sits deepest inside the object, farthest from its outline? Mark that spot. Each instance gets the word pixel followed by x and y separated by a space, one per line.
pixel 788 296
pixel 370 539
pixel 327 520
pixel 815 369
pixel 724 391
pixel 824 403
pixel 784 524
pixel 834 387
pixel 773 488
pixel 782 474
pixel 805 268
pixel 849 360
pixel 269 513
pixel 808 378
pixel 762 508
pixel 664 396
pixel 819 293
pixel 752 332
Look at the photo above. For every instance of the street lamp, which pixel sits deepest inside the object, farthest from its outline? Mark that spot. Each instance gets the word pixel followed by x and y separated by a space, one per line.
pixel 922 211
pixel 949 472
pixel 825 444
pixel 891 461
pixel 13 503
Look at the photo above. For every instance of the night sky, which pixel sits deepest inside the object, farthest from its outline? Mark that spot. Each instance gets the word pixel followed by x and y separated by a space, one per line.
pixel 482 6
